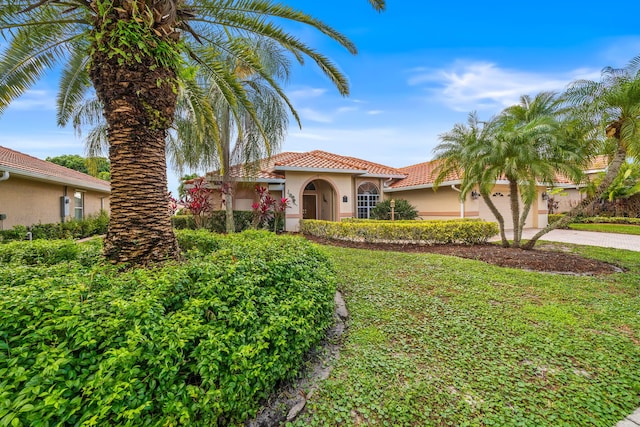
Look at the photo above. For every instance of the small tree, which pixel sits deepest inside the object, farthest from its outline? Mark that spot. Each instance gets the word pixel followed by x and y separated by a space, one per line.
pixel 197 200
pixel 402 211
pixel 268 209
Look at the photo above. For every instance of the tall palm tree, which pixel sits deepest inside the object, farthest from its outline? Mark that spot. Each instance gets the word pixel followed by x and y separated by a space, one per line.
pixel 611 105
pixel 461 152
pixel 242 139
pixel 533 144
pixel 527 144
pixel 133 51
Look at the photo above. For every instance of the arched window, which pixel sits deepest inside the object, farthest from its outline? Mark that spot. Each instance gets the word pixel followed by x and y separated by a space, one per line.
pixel 368 196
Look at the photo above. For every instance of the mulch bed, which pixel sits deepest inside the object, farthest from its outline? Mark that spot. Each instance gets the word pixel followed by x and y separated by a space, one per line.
pixel 539 259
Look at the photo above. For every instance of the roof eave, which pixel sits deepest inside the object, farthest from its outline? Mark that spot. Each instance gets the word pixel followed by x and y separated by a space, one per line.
pixel 57 180
pixel 319 170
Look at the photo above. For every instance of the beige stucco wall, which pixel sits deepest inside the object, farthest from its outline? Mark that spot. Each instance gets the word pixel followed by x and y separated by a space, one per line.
pixel 330 192
pixel 27 202
pixel 445 204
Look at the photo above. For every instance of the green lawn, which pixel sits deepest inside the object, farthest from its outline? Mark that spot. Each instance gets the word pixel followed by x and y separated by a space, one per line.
pixel 443 341
pixel 608 228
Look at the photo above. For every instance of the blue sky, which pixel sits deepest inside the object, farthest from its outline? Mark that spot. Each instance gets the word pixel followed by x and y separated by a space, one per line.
pixel 422 67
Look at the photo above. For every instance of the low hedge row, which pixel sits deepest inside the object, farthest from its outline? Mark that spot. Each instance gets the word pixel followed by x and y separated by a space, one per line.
pixel 198 343
pixel 610 220
pixel 597 219
pixel 216 222
pixel 466 231
pixel 92 225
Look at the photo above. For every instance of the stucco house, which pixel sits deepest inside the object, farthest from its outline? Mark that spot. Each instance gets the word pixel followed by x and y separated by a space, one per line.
pixel 327 186
pixel 571 194
pixel 35 191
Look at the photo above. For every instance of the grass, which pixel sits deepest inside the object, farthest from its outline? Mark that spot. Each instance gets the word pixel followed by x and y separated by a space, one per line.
pixel 442 341
pixel 608 228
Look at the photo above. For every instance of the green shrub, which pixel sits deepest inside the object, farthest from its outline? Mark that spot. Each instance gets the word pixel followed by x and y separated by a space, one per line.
pixel 610 220
pixel 555 217
pixel 216 223
pixel 403 210
pixel 469 231
pixel 199 343
pixel 92 225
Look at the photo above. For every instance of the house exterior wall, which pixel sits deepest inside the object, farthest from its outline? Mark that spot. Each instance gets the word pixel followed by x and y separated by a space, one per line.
pixel 441 204
pixel 329 195
pixel 27 202
pixel 445 204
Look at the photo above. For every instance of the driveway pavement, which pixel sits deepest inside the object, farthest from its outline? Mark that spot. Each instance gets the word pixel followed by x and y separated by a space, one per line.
pixel 591 238
pixel 607 240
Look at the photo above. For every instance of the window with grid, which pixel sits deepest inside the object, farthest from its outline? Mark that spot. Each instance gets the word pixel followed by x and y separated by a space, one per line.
pixel 368 196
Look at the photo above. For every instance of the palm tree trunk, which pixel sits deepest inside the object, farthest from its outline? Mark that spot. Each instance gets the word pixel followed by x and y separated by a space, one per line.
pixel 515 211
pixel 225 130
pixel 499 217
pixel 612 172
pixel 139 102
pixel 523 219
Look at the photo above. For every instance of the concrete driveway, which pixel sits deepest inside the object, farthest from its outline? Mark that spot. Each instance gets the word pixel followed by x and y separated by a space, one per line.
pixel 591 238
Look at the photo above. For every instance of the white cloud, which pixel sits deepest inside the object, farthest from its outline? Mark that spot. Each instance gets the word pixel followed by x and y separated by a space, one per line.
pixel 306 93
pixel 314 115
pixel 346 110
pixel 374 112
pixel 467 86
pixel 35 100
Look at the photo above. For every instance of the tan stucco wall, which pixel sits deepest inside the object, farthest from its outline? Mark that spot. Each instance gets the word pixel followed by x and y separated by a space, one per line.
pixel 27 202
pixel 568 199
pixel 445 204
pixel 330 193
pixel 441 204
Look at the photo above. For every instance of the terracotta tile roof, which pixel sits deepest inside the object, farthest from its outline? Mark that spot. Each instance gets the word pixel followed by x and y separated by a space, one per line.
pixel 318 159
pixel 21 164
pixel 274 167
pixel 422 174
pixel 599 163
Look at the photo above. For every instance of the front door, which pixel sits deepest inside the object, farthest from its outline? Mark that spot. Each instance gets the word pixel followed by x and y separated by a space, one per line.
pixel 309 206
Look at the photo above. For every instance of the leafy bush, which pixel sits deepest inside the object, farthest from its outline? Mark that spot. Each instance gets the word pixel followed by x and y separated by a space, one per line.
pixel 610 220
pixel 554 217
pixel 403 210
pixel 92 225
pixel 216 221
pixel 467 231
pixel 198 343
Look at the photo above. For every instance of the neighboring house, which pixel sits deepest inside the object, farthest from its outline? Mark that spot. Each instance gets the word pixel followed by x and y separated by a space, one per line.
pixel 570 194
pixel 35 191
pixel 330 187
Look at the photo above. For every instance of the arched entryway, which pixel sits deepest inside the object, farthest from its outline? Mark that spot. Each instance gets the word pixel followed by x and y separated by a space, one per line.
pixel 319 201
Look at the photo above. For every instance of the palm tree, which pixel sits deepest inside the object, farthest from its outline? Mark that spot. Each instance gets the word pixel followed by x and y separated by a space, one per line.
pixel 611 105
pixel 242 139
pixel 532 146
pixel 526 144
pixel 133 51
pixel 461 152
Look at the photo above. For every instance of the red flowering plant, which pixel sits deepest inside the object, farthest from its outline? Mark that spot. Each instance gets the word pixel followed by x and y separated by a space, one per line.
pixel 173 204
pixel 197 201
pixel 267 210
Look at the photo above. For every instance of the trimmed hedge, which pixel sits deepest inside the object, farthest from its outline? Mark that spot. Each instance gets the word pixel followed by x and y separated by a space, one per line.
pixel 217 222
pixel 199 343
pixel 610 220
pixel 466 231
pixel 92 225
pixel 598 219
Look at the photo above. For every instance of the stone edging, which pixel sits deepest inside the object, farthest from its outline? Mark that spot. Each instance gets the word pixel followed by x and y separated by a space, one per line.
pixel 287 403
